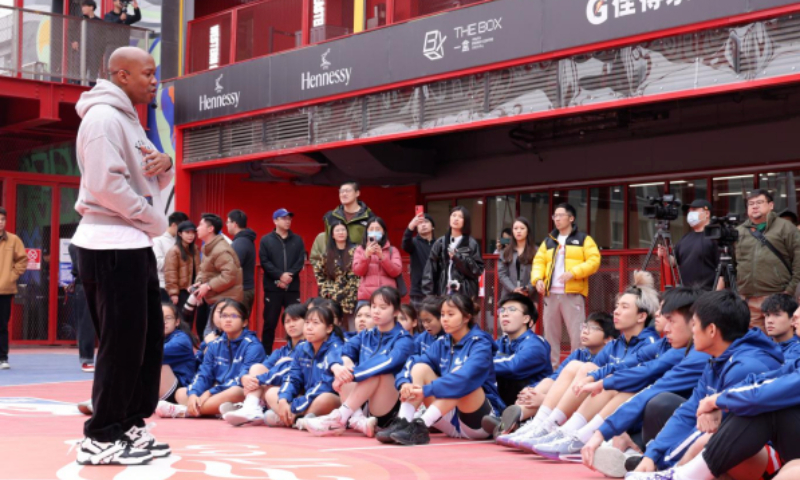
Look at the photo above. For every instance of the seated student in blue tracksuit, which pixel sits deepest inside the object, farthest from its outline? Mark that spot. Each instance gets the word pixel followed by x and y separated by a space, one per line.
pixel 215 333
pixel 178 365
pixel 308 388
pixel 720 328
pixel 269 375
pixel 363 321
pixel 365 371
pixel 407 316
pixel 218 379
pixel 598 329
pixel 430 311
pixel 522 358
pixel 635 309
pixel 454 378
pixel 778 312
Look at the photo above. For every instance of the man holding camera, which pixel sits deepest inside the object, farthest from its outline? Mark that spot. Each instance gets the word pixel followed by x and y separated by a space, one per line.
pixel 696 255
pixel 767 255
pixel 120 13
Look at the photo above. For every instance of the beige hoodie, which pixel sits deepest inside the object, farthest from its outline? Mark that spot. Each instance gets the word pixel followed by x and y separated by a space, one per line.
pixel 114 189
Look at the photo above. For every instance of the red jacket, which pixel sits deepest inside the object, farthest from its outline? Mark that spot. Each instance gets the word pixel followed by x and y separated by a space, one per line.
pixel 377 273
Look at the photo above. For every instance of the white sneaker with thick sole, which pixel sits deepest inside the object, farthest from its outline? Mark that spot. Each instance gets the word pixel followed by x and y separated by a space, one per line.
pixel 365 425
pixel 4 365
pixel 271 419
pixel 229 407
pixel 170 410
pixel 142 439
pixel 91 452
pixel 327 425
pixel 245 416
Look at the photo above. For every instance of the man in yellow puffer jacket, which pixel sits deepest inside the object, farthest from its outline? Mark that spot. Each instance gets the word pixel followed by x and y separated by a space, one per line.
pixel 561 271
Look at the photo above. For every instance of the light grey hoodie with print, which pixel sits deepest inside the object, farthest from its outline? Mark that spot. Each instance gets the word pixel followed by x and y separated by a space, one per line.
pixel 114 189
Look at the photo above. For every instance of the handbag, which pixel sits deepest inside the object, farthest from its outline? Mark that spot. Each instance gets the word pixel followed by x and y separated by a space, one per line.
pixel 399 280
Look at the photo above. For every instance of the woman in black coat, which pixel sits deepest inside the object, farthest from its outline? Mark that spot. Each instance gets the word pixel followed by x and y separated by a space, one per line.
pixel 455 264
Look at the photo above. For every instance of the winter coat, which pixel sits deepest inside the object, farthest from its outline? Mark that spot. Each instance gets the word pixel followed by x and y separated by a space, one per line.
pixel 375 272
pixel 244 246
pixel 278 255
pixel 467 267
pixel 13 262
pixel 581 258
pixel 356 227
pixel 179 273
pixel 759 271
pixel 179 355
pixel 309 375
pixel 526 358
pixel 343 288
pixel 508 278
pixel 225 362
pixel 376 353
pixel 221 271
pixel 420 251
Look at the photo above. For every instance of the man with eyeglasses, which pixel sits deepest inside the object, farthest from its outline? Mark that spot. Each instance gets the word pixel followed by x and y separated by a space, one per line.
pixel 561 270
pixel 767 255
pixel 352 212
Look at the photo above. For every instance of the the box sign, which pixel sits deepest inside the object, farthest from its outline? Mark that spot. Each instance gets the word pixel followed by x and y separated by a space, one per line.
pixel 34 258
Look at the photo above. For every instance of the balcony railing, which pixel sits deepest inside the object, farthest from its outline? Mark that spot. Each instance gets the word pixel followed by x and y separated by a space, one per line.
pixel 59 48
pixel 273 26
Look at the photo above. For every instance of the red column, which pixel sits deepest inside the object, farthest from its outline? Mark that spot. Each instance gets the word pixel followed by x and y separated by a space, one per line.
pixel 183 179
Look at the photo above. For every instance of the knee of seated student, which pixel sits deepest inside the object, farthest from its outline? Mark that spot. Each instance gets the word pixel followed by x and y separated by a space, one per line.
pixel 181 395
pixel 422 372
pixel 324 404
pixel 257 369
pixel 586 368
pixel 572 367
pixel 695 449
pixel 472 401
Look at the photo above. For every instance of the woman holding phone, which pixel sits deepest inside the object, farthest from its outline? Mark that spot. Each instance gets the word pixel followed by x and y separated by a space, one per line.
pixel 376 261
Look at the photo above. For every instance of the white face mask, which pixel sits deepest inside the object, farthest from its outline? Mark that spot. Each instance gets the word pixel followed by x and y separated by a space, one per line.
pixel 693 218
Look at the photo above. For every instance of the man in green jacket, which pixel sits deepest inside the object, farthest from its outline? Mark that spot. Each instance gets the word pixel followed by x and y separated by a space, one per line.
pixel 352 212
pixel 760 272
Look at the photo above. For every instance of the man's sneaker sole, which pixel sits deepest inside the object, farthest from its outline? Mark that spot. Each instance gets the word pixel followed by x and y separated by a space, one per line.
pixel 610 462
pixel 510 419
pixel 86 459
pixel 236 419
pixel 119 453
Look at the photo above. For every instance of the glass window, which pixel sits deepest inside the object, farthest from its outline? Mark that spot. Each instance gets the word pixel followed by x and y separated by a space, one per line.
pixel 500 214
pixel 331 19
pixel 640 228
pixel 686 191
pixel 578 199
pixel 536 208
pixel 440 211
pixel 783 186
pixel 728 194
pixel 375 14
pixel 607 216
pixel 475 207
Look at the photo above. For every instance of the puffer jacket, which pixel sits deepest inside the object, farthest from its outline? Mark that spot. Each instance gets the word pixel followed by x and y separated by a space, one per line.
pixel 582 259
pixel 13 262
pixel 467 267
pixel 376 273
pixel 221 270
pixel 342 289
pixel 758 270
pixel 178 274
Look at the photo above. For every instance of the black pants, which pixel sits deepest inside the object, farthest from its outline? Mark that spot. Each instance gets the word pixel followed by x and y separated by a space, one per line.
pixel 740 438
pixel 509 389
pixel 5 316
pixel 164 296
pixel 85 327
pixel 182 296
pixel 274 303
pixel 125 305
pixel 202 314
pixel 657 413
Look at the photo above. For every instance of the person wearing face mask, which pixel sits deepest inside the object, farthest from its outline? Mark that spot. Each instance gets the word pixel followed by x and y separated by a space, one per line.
pixel 695 254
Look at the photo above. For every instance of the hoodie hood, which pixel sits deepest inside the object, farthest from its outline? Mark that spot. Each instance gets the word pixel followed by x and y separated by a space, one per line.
pixel 246 234
pixel 106 93
pixel 756 344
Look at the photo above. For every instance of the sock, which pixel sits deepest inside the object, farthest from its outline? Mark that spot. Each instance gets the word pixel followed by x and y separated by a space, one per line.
pixel 575 423
pixel 542 414
pixel 555 419
pixel 585 433
pixel 345 412
pixel 251 401
pixel 407 411
pixel 695 469
pixel 431 415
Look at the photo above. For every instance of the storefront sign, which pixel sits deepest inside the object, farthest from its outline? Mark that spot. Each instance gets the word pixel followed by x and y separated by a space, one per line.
pixel 472 37
pixel 34 258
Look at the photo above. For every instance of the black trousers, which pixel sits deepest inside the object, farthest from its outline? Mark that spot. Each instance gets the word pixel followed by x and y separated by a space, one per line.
pixel 85 327
pixel 509 389
pixel 164 295
pixel 657 413
pixel 124 302
pixel 274 303
pixel 739 438
pixel 5 316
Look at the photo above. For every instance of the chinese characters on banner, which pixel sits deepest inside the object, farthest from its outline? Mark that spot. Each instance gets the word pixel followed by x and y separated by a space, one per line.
pixel 597 11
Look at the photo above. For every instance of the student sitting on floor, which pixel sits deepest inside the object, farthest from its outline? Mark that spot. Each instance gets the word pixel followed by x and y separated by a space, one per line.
pixel 778 312
pixel 408 319
pixel 218 378
pixel 269 375
pixel 430 311
pixel 178 365
pixel 454 378
pixel 363 321
pixel 365 371
pixel 215 331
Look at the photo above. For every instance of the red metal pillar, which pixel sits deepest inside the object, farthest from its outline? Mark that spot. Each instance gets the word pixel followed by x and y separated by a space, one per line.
pixel 306 23
pixel 183 179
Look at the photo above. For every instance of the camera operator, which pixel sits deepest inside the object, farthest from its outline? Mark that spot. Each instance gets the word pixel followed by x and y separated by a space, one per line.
pixel 120 13
pixel 767 255
pixel 695 254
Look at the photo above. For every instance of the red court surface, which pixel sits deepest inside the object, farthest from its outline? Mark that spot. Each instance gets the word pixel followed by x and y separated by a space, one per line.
pixel 38 421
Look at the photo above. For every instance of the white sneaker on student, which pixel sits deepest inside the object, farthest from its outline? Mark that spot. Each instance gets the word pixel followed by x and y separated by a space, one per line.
pixel 142 439
pixel 91 452
pixel 229 407
pixel 245 416
pixel 170 410
pixel 272 419
pixel 327 425
pixel 365 425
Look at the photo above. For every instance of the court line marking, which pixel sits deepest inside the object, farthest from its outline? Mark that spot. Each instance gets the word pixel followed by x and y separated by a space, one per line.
pixel 404 446
pixel 45 383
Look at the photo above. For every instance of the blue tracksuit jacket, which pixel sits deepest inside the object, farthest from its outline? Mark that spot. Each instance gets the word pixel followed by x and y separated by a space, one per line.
pixel 580 355
pixel 310 374
pixel 179 355
pixel 642 355
pixel 791 349
pixel 680 380
pixel 461 368
pixel 525 358
pixel 620 349
pixel 636 378
pixel 225 362
pixel 753 353
pixel 768 392
pixel 425 340
pixel 376 353
pixel 278 365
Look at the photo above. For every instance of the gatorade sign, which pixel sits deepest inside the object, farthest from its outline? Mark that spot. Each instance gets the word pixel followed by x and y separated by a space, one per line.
pixel 34 258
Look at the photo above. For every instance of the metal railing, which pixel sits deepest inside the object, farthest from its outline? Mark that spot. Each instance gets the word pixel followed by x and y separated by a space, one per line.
pixel 60 48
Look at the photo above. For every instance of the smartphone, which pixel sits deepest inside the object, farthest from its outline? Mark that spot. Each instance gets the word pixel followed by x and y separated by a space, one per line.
pixel 505 241
pixel 419 211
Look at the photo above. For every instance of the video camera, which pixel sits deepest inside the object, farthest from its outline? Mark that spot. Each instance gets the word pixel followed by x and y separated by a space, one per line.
pixel 663 208
pixel 723 229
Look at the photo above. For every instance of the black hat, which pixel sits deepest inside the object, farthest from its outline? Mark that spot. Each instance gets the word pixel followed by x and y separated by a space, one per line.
pixel 789 215
pixel 186 225
pixel 524 300
pixel 699 203
pixel 430 219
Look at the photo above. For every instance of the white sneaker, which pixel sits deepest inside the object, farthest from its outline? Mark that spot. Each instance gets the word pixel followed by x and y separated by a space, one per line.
pixel 610 461
pixel 327 425
pixel 91 452
pixel 4 365
pixel 300 423
pixel 170 410
pixel 244 416
pixel 142 439
pixel 272 419
pixel 365 425
pixel 229 407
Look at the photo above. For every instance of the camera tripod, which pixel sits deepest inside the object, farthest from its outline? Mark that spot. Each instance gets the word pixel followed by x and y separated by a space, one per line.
pixel 664 238
pixel 725 270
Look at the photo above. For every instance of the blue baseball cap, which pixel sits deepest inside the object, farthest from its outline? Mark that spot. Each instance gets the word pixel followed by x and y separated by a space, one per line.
pixel 282 212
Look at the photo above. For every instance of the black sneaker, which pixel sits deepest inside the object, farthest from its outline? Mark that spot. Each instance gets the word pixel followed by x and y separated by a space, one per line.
pixel 509 422
pixel 491 424
pixel 416 433
pixel 91 452
pixel 632 463
pixel 385 435
pixel 142 439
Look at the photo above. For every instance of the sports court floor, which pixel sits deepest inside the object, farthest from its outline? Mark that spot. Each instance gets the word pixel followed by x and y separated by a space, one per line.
pixel 38 421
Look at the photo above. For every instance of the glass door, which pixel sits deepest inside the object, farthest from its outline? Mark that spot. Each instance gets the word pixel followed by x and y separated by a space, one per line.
pixel 68 307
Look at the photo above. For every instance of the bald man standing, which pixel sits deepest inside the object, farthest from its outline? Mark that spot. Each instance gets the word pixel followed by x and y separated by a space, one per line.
pixel 122 176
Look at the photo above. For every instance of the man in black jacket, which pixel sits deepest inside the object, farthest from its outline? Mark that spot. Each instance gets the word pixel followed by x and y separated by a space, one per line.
pixel 120 14
pixel 419 248
pixel 281 255
pixel 244 246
